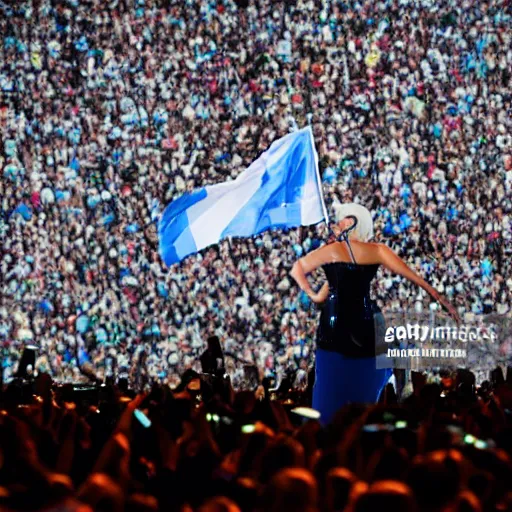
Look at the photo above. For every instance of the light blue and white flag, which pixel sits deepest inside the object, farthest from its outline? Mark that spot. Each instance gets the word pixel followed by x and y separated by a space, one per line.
pixel 281 189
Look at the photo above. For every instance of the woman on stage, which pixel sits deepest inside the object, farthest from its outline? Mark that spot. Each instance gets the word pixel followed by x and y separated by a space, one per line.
pixel 345 356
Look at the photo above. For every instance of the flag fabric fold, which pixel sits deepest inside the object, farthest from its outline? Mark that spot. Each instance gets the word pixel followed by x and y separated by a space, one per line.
pixel 280 189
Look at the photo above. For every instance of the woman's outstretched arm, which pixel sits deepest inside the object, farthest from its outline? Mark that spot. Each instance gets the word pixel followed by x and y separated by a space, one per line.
pixel 389 259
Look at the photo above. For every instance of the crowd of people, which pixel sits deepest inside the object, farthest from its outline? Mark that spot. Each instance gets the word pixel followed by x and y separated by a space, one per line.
pixel 446 448
pixel 110 110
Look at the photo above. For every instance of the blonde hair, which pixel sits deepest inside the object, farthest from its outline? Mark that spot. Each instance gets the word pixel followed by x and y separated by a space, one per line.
pixel 364 229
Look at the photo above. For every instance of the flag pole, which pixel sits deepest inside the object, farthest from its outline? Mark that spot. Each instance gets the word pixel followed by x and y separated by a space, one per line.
pixel 319 182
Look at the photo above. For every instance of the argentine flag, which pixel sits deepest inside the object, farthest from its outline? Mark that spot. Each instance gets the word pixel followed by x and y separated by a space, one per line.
pixel 281 189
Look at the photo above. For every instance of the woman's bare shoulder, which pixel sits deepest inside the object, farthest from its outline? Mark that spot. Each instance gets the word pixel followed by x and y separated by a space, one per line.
pixel 317 257
pixel 370 252
pixel 369 246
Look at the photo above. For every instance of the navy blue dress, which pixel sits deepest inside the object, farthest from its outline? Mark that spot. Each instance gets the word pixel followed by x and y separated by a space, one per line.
pixel 346 349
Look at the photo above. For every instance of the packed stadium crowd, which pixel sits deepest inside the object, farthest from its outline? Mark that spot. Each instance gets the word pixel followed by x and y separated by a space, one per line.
pixel 446 447
pixel 110 110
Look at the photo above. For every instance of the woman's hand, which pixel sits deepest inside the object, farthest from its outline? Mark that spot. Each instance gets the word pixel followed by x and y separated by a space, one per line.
pixel 320 296
pixel 317 298
pixel 450 308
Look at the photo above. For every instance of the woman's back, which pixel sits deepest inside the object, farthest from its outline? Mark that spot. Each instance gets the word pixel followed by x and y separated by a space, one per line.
pixel 347 321
pixel 351 282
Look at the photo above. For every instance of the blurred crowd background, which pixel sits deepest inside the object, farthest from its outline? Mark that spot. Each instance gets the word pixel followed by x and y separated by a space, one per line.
pixel 110 110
